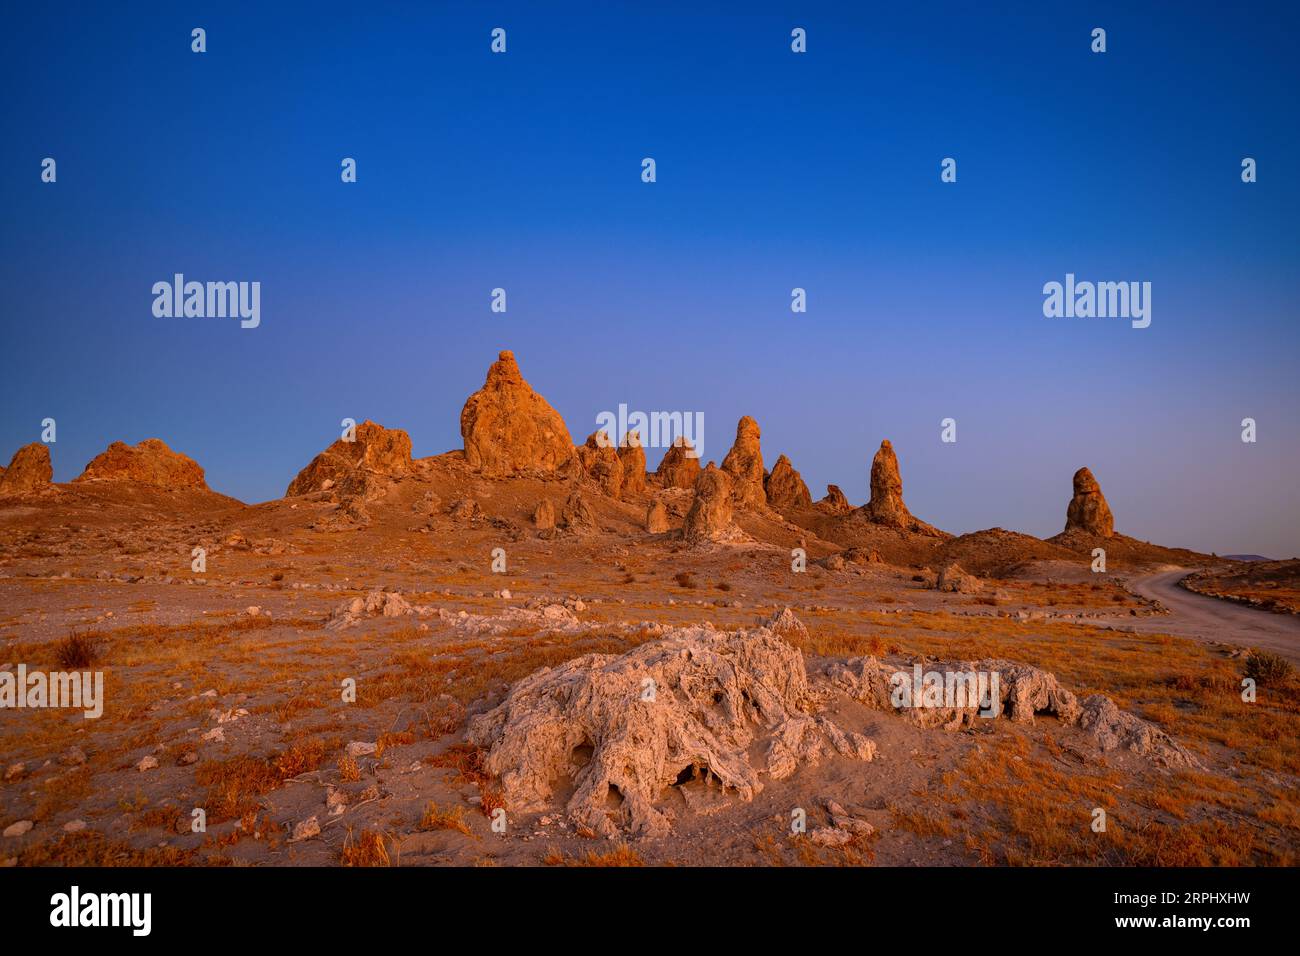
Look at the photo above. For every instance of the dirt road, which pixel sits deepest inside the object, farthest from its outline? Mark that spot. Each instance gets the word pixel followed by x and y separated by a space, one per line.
pixel 1206 618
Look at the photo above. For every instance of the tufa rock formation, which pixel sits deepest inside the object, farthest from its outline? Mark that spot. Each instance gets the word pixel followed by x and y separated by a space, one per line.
pixel 544 515
pixel 745 464
pixel 886 505
pixel 576 515
pixel 726 706
pixel 509 429
pixel 632 455
pixel 150 462
pixel 710 514
pixel 680 466
pixel 377 452
pixel 785 488
pixel 1088 511
pixel 1023 691
pixel 29 471
pixel 656 517
pixel 835 502
pixel 953 579
pixel 601 461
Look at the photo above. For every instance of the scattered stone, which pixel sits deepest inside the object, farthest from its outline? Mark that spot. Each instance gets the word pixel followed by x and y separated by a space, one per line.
pixel 361 748
pixel 305 829
pixel 21 828
pixel 149 762
pixel 953 579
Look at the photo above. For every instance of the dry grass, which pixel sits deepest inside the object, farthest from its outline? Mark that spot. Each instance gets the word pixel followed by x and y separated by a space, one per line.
pixel 369 849
pixel 439 818
pixel 621 855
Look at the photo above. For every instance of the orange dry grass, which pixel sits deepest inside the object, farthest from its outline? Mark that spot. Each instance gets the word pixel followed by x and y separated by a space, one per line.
pixel 367 850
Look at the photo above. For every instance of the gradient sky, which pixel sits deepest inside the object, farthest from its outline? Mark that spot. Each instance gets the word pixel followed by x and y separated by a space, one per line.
pixel 775 170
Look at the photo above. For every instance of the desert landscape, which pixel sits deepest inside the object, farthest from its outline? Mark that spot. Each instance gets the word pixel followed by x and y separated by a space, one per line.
pixel 531 651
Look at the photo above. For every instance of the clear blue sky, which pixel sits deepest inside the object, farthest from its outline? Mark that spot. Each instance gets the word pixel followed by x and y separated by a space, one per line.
pixel 775 170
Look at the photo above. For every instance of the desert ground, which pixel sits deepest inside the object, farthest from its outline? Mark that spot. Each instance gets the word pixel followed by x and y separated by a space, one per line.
pixel 443 661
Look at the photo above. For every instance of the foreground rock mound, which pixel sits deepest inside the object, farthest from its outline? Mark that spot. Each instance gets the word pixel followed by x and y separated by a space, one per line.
pixel 150 462
pixel 377 452
pixel 745 464
pixel 29 471
pixel 509 429
pixel 785 487
pixel 731 707
pixel 1088 512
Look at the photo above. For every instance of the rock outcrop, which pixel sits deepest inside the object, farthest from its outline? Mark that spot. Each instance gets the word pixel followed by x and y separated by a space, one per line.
pixel 544 515
pixel 150 462
pixel 601 462
pixel 835 502
pixel 953 579
pixel 745 464
pixel 785 487
pixel 886 505
pixel 632 455
pixel 1088 512
pixel 731 707
pixel 576 516
pixel 509 429
pixel 1021 693
pixel 680 466
pixel 656 517
pixel 710 516
pixel 349 467
pixel 29 471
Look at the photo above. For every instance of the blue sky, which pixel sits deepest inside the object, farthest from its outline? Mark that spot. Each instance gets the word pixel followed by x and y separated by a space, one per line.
pixel 775 170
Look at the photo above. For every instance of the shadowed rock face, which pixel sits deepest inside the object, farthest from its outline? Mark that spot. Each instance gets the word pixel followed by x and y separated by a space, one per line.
pixel 785 487
pixel 150 462
pixel 28 471
pixel 632 455
pixel 1088 511
pixel 710 514
pixel 509 429
pixel 745 464
pixel 377 450
pixel 680 467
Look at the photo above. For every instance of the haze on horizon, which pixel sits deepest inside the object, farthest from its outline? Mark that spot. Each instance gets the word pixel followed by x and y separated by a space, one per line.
pixel 775 171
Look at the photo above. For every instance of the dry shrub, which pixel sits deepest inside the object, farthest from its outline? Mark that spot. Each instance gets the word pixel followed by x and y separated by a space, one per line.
pixel 78 651
pixel 348 769
pixel 1266 668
